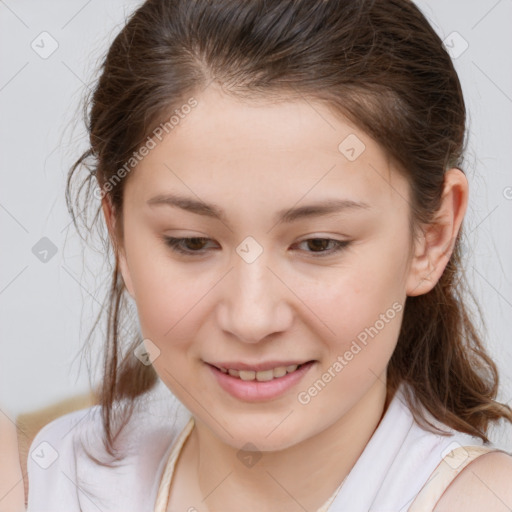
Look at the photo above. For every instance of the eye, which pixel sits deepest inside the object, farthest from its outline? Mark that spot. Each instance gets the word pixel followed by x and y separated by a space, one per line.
pixel 320 246
pixel 190 246
pixel 195 246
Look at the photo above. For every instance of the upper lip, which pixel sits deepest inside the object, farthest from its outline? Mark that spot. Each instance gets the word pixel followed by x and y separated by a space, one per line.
pixel 257 367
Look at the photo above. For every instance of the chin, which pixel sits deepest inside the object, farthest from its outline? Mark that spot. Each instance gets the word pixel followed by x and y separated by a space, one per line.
pixel 259 436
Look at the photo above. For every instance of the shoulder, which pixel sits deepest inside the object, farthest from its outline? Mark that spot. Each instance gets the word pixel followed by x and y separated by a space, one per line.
pixel 51 461
pixel 69 469
pixel 482 485
pixel 47 446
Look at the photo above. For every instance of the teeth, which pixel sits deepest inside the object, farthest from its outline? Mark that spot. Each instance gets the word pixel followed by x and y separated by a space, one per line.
pixel 261 376
pixel 264 375
pixel 279 372
pixel 247 374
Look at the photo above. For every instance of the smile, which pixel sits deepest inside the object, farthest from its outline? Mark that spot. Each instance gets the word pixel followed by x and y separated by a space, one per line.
pixel 258 384
pixel 262 375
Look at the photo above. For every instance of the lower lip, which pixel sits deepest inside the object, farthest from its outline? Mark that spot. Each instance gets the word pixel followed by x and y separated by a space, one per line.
pixel 255 391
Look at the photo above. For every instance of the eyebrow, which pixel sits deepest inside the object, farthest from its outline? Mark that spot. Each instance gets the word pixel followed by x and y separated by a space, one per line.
pixel 286 215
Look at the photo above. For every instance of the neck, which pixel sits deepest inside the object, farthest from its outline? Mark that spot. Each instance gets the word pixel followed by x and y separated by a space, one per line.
pixel 301 477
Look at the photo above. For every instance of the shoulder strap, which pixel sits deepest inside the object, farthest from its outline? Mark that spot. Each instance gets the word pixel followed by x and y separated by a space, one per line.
pixel 162 498
pixel 446 471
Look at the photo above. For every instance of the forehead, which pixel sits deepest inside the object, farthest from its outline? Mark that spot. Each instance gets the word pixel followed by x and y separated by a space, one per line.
pixel 280 150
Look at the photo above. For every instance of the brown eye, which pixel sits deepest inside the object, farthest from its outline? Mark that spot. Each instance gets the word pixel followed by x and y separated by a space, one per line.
pixel 191 246
pixel 318 244
pixel 195 244
pixel 324 246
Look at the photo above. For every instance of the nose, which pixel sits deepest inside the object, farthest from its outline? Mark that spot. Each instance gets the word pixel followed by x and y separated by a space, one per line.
pixel 255 302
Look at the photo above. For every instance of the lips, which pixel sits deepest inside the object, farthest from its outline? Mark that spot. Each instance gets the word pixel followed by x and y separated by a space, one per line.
pixel 250 383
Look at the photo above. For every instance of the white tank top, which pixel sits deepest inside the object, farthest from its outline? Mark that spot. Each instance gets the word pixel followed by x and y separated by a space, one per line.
pixel 395 465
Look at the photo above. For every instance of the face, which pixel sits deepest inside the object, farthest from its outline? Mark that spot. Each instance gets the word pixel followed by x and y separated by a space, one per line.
pixel 298 253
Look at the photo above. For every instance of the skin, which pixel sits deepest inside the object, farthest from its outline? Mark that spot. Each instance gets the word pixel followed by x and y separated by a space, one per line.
pixel 12 497
pixel 253 160
pixel 482 485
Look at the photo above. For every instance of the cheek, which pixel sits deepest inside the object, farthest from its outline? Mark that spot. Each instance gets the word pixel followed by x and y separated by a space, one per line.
pixel 168 294
pixel 360 304
pixel 168 309
pixel 366 324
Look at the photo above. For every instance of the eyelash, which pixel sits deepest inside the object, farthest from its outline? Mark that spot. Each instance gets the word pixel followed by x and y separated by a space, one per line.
pixel 174 244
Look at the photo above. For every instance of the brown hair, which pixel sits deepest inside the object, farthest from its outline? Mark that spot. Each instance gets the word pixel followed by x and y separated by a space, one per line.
pixel 377 62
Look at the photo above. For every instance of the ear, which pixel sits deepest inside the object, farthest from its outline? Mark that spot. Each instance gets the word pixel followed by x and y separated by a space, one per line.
pixel 433 251
pixel 110 220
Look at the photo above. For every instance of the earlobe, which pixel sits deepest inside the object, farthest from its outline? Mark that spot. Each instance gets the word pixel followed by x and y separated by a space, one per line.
pixel 419 279
pixel 107 208
pixel 123 267
pixel 434 249
pixel 108 213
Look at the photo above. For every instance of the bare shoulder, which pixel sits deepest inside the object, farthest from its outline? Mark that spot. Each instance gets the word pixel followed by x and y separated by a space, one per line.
pixel 483 485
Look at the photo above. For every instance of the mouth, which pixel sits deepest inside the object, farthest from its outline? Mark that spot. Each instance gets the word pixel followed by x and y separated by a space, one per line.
pixel 272 371
pixel 259 382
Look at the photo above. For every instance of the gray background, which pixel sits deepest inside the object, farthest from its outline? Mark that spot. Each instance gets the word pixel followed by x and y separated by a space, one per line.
pixel 47 306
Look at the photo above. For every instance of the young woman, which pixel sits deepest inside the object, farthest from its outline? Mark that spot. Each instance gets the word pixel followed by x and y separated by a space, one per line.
pixel 283 189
